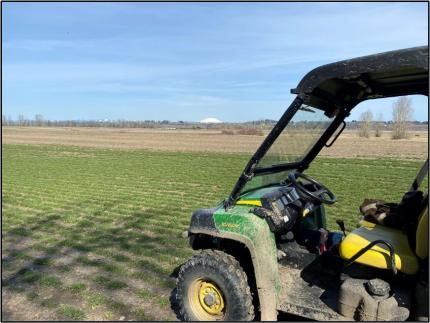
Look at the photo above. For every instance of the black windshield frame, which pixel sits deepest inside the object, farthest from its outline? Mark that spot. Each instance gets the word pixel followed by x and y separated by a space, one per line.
pixel 251 168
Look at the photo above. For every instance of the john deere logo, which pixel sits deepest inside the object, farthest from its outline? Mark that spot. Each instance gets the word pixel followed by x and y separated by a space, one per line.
pixel 229 225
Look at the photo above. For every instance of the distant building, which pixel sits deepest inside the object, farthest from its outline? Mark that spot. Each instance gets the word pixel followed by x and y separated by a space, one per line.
pixel 210 120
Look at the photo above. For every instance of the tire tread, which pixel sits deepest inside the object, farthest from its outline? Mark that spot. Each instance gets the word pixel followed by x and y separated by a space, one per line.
pixel 229 267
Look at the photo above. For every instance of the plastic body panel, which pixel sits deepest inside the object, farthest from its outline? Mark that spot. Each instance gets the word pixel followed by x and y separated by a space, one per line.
pixel 378 256
pixel 240 225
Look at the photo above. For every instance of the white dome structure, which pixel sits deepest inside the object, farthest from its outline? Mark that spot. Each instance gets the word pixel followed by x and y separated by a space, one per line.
pixel 210 120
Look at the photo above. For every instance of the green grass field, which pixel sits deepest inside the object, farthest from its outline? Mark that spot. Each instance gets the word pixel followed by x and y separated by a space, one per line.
pixel 96 233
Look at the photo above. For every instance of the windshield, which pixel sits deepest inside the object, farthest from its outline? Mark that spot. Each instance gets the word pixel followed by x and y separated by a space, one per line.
pixel 292 145
pixel 298 137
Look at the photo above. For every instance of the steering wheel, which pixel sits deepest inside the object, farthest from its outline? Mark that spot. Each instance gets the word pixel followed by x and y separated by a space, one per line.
pixel 320 193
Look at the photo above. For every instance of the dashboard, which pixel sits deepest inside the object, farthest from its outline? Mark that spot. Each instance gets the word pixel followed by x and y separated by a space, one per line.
pixel 281 208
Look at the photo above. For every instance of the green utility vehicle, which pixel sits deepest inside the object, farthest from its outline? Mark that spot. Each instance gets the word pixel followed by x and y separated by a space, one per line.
pixel 265 249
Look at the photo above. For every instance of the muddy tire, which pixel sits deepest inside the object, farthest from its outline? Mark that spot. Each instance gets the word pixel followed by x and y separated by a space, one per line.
pixel 213 286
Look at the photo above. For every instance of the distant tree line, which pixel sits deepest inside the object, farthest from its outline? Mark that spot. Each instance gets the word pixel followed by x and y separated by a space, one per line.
pixel 402 115
pixel 40 121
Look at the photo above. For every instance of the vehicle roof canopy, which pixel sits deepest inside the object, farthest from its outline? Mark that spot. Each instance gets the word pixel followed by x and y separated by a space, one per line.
pixel 349 82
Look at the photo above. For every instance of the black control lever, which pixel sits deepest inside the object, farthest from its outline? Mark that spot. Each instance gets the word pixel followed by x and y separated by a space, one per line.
pixel 341 225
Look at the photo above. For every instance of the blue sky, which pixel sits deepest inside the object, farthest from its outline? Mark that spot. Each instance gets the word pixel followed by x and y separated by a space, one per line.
pixel 188 61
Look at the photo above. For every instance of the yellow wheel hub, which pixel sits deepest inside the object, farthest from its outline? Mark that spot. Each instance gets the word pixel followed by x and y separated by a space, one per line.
pixel 210 298
pixel 206 300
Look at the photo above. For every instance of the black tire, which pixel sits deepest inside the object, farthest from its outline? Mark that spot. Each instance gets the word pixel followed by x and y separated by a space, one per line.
pixel 224 271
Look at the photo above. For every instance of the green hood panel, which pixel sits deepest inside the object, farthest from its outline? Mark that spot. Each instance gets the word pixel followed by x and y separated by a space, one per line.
pixel 258 193
pixel 253 198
